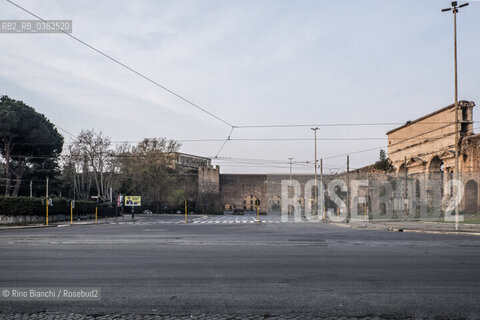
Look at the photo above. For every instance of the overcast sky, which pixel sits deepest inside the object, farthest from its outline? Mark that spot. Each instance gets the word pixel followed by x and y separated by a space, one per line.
pixel 249 63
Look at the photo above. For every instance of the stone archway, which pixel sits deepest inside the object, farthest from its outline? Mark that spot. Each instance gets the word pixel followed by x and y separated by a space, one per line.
pixel 249 203
pixel 435 165
pixel 402 169
pixel 471 197
pixel 275 204
pixel 435 173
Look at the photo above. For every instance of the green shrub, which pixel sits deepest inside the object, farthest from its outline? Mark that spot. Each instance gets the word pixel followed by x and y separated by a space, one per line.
pixel 18 206
pixel 12 206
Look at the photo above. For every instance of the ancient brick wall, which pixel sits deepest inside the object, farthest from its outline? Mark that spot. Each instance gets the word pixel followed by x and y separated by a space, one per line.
pixel 235 188
pixel 426 143
pixel 470 154
pixel 424 150
pixel 208 195
pixel 433 135
pixel 209 179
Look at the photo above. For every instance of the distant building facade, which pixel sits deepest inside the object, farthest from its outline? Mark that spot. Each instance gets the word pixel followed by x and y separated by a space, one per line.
pixel 421 150
pixel 425 148
pixel 189 162
pixel 427 144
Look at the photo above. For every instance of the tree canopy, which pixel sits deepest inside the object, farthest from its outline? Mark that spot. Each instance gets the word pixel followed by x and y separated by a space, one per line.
pixel 384 163
pixel 148 168
pixel 27 138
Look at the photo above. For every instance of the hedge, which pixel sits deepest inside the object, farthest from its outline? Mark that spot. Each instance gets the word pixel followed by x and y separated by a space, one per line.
pixel 19 206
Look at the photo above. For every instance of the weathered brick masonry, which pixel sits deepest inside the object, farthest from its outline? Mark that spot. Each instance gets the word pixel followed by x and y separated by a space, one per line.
pixel 420 149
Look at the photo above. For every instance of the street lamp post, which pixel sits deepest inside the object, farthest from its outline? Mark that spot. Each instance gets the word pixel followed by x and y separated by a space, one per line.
pixel 315 165
pixel 291 161
pixel 454 9
pixel 290 185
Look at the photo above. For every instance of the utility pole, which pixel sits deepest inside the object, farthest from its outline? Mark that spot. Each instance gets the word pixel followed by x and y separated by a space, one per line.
pixel 31 184
pixel 405 188
pixel 74 185
pixel 290 185
pixel 323 196
pixel 348 189
pixel 455 8
pixel 46 203
pixel 74 194
pixel 291 159
pixel 316 187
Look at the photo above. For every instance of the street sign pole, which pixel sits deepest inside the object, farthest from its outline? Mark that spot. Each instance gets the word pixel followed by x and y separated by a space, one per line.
pixel 186 221
pixel 117 199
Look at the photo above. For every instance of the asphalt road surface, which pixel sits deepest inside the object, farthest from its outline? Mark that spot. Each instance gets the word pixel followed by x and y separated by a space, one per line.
pixel 160 265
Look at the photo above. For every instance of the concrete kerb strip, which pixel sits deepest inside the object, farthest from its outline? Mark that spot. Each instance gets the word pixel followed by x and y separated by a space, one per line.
pixel 26 227
pixel 396 229
pixel 51 225
pixel 357 226
pixel 435 232
pixel 465 225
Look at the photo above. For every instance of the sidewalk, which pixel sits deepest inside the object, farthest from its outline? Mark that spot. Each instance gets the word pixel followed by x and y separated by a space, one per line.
pixel 415 226
pixel 61 224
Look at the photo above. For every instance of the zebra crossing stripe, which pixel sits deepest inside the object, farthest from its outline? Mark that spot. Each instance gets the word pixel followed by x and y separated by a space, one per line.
pixel 217 220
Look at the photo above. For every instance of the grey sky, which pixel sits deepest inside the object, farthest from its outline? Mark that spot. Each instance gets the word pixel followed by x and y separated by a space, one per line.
pixel 249 62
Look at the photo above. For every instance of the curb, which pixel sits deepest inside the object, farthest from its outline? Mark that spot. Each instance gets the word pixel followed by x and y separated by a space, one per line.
pixel 51 226
pixel 365 227
pixel 26 227
pixel 392 229
pixel 434 232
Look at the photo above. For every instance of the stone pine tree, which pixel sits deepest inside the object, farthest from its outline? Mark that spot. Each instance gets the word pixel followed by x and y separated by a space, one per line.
pixel 27 140
pixel 384 163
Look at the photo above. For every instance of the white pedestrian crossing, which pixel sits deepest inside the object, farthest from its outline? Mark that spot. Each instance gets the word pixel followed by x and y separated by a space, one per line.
pixel 227 219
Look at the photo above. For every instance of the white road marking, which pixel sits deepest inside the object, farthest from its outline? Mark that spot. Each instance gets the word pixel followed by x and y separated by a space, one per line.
pixel 212 220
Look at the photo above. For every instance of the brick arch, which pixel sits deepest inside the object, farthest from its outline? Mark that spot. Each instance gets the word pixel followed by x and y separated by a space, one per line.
pixel 250 202
pixel 435 163
pixel 401 169
pixel 274 203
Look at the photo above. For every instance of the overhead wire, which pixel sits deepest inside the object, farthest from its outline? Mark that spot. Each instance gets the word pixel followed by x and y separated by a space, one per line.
pixel 128 67
pixel 225 141
pixel 336 124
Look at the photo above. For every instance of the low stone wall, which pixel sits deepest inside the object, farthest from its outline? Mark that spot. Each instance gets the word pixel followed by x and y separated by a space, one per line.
pixel 26 219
